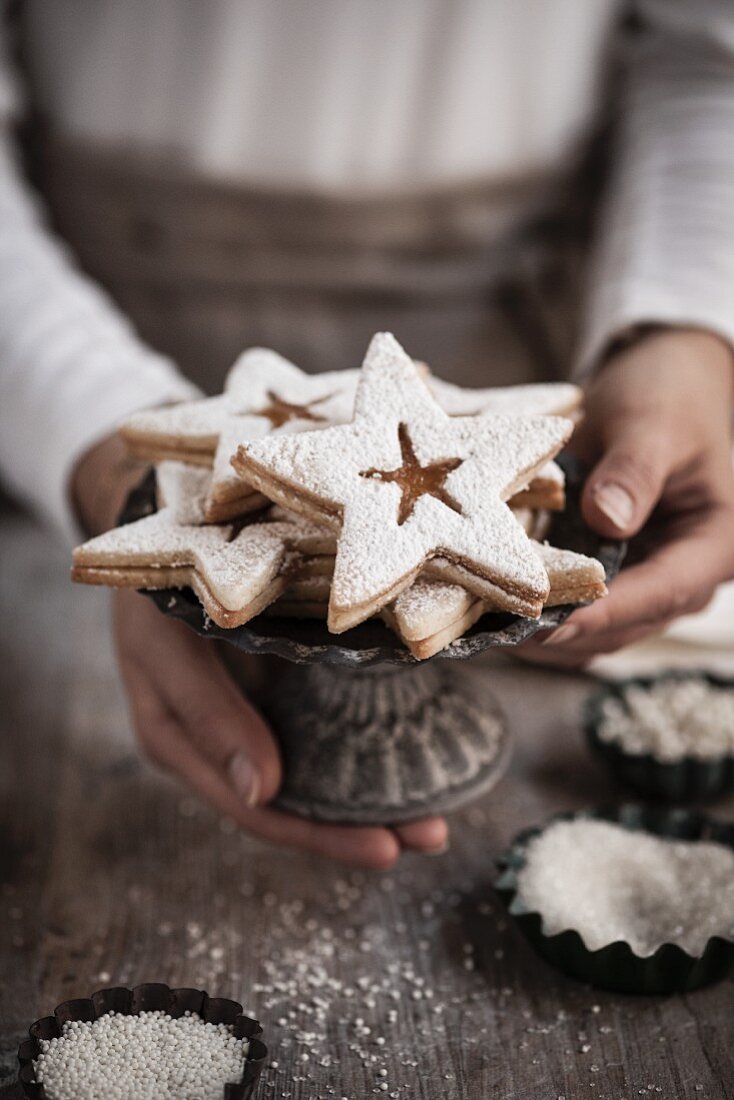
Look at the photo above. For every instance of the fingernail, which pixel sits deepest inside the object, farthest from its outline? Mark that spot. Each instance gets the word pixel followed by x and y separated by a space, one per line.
pixel 244 778
pixel 616 504
pixel 438 851
pixel 563 634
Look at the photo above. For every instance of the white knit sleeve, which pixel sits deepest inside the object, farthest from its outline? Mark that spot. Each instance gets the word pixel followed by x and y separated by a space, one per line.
pixel 71 367
pixel 665 253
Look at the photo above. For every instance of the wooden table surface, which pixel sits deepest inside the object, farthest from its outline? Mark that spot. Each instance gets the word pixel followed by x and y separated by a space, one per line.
pixel 408 984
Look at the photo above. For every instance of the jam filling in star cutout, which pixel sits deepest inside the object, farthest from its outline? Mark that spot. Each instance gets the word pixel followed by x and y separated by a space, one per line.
pixel 280 411
pixel 415 481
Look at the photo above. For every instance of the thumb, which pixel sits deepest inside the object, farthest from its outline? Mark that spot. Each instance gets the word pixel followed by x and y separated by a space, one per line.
pixel 253 764
pixel 233 736
pixel 217 721
pixel 627 482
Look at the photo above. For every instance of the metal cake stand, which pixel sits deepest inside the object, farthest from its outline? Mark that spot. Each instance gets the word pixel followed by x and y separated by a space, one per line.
pixel 369 735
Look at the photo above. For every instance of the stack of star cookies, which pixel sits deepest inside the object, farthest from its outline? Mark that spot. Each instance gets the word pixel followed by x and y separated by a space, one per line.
pixel 381 492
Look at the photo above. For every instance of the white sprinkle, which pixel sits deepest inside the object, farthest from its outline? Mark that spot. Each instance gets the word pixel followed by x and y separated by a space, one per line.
pixel 611 884
pixel 671 719
pixel 145 1057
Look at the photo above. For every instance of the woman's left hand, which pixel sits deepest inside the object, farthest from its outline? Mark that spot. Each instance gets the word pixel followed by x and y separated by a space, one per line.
pixel 657 437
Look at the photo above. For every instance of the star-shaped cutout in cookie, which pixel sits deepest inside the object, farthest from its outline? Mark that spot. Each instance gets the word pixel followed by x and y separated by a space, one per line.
pixel 280 412
pixel 414 480
pixel 263 393
pixel 321 474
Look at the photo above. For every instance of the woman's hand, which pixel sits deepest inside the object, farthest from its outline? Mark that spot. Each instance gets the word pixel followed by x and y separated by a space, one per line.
pixel 190 717
pixel 192 720
pixel 657 437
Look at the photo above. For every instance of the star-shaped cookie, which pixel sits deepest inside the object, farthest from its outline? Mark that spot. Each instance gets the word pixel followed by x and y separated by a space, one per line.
pixel 263 393
pixel 436 610
pixel 235 570
pixel 547 489
pixel 405 482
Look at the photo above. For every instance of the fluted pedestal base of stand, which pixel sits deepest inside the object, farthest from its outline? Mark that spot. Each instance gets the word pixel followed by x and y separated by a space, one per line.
pixel 384 744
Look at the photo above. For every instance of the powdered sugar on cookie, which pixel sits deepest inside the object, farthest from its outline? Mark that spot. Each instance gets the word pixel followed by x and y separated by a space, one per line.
pixel 237 564
pixel 405 497
pixel 365 472
pixel 264 393
pixel 261 385
pixel 183 490
pixel 428 607
pixel 235 568
pixel 541 399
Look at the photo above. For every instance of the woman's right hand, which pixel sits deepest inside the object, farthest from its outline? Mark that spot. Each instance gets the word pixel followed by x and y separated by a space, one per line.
pixel 192 720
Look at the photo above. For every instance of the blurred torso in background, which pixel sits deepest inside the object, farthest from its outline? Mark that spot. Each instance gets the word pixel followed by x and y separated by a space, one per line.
pixel 301 174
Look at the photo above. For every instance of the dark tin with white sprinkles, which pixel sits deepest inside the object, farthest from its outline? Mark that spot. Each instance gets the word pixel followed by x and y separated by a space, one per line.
pixel 689 779
pixel 615 966
pixel 149 997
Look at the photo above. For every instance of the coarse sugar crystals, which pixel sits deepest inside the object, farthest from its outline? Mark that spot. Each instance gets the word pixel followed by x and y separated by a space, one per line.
pixel 141 1057
pixel 671 719
pixel 609 884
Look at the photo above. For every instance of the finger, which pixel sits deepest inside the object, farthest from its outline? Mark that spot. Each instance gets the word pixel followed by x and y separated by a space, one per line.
pixel 364 846
pixel 601 635
pixel 214 714
pixel 579 644
pixel 230 734
pixel 578 656
pixel 655 591
pixel 625 485
pixel 430 835
pixel 370 847
pixel 168 692
pixel 374 848
pixel 677 578
pixel 166 745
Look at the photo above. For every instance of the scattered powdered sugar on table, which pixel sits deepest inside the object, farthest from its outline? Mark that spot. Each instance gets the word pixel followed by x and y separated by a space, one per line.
pixel 321 982
pixel 671 719
pixel 398 985
pixel 610 884
pixel 352 1004
pixel 145 1057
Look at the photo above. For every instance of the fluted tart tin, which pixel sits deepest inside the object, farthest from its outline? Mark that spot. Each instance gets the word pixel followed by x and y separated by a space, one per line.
pixel 616 966
pixel 148 997
pixel 688 778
